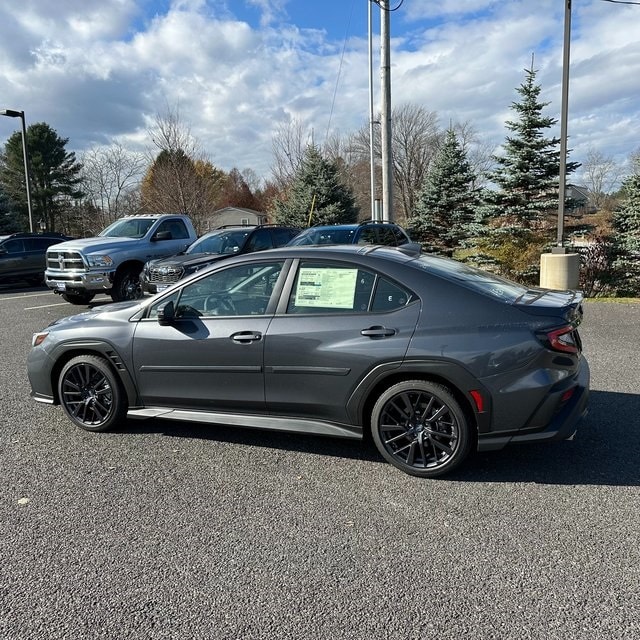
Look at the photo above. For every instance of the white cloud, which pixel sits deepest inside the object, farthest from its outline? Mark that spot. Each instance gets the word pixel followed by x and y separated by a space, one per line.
pixel 97 71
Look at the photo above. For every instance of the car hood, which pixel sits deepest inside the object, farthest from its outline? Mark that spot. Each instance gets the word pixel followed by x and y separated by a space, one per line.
pixel 92 245
pixel 115 310
pixel 187 260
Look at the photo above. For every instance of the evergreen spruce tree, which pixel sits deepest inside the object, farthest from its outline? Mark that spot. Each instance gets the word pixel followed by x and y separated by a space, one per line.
pixel 446 206
pixel 316 195
pixel 521 210
pixel 54 174
pixel 8 221
pixel 626 224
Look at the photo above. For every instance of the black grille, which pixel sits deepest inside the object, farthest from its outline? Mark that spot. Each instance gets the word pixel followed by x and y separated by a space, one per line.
pixel 165 275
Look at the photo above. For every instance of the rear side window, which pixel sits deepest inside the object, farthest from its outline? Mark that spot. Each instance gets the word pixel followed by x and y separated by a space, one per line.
pixel 260 240
pixel 282 236
pixel 15 245
pixel 472 278
pixel 331 288
pixel 368 235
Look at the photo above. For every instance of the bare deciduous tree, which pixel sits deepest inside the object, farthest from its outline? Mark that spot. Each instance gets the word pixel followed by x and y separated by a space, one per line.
pixel 600 174
pixel 180 177
pixel 415 140
pixel 110 176
pixel 289 143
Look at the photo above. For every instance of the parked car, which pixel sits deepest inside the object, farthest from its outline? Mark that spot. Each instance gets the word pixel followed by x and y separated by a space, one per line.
pixel 431 357
pixel 22 256
pixel 112 261
pixel 221 243
pixel 368 232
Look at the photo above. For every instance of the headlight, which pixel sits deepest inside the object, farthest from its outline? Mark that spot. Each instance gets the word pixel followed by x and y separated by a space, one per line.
pixel 99 261
pixel 38 338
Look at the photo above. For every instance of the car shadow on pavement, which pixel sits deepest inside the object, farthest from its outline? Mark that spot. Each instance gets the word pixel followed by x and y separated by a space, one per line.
pixel 605 451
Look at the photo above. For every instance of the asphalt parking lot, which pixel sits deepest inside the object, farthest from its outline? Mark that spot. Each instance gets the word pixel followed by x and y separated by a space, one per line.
pixel 164 530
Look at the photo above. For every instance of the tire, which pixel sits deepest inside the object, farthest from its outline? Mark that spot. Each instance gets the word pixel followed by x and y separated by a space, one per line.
pixel 78 298
pixel 420 428
pixel 91 394
pixel 127 285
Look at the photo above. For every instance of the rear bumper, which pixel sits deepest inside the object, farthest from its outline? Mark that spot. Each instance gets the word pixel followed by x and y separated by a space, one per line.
pixel 562 425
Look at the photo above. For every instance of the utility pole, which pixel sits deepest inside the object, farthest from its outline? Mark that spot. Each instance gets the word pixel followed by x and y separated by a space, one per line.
pixel 372 157
pixel 563 123
pixel 385 68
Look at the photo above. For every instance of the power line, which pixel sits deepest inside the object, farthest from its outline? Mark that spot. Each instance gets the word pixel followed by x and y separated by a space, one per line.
pixel 335 90
pixel 621 2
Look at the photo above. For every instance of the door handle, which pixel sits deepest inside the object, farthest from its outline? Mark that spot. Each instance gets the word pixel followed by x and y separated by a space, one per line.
pixel 378 332
pixel 246 337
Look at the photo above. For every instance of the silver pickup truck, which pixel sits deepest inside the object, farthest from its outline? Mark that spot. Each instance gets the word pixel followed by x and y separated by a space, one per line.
pixel 112 261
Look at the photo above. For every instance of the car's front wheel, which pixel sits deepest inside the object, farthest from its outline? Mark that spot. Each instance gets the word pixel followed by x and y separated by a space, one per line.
pixel 91 394
pixel 419 427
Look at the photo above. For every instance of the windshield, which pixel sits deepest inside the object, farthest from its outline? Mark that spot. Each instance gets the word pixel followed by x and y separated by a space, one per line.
pixel 476 279
pixel 220 242
pixel 324 235
pixel 128 228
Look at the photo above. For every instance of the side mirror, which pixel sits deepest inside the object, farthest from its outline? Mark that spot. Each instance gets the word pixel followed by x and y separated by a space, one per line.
pixel 166 313
pixel 161 235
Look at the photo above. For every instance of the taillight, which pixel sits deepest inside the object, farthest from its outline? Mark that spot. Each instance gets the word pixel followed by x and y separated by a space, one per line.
pixel 564 339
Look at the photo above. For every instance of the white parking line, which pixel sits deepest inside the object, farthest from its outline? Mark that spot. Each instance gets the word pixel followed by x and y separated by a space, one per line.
pixel 45 306
pixel 27 295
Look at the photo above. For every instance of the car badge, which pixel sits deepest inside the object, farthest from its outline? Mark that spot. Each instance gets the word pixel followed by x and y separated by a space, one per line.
pixel 61 261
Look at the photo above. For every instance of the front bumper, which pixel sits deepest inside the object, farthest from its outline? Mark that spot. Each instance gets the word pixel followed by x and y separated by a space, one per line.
pixel 79 280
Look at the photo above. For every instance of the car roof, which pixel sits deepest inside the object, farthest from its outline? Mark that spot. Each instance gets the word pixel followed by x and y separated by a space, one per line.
pixel 404 253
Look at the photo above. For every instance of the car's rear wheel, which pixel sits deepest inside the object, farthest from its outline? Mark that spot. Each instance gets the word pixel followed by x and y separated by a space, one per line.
pixel 78 298
pixel 127 285
pixel 420 428
pixel 91 394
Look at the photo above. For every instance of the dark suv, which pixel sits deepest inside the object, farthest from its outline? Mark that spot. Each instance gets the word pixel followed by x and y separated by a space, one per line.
pixel 22 256
pixel 229 240
pixel 368 232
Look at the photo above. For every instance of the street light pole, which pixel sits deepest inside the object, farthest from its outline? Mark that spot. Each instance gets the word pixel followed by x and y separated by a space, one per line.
pixel 372 157
pixel 12 113
pixel 564 108
pixel 387 160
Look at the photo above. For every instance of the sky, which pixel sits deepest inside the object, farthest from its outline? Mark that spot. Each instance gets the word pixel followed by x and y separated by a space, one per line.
pixel 235 71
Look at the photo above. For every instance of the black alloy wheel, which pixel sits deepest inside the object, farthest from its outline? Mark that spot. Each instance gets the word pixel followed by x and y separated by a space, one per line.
pixel 91 394
pixel 127 285
pixel 419 427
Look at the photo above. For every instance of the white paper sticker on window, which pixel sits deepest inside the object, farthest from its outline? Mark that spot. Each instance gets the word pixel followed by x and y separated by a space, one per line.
pixel 334 288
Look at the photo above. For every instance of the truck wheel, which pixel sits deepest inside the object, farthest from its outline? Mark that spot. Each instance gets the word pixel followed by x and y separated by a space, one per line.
pixel 78 298
pixel 126 285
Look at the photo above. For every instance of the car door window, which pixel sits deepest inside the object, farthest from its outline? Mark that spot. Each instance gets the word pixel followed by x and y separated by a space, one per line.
pixel 176 228
pixel 242 290
pixel 331 288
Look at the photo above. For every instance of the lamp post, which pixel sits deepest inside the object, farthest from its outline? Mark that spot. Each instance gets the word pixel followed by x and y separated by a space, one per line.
pixel 563 125
pixel 12 113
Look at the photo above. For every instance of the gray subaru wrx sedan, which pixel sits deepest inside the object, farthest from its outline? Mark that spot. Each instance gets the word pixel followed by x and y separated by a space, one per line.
pixel 429 356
